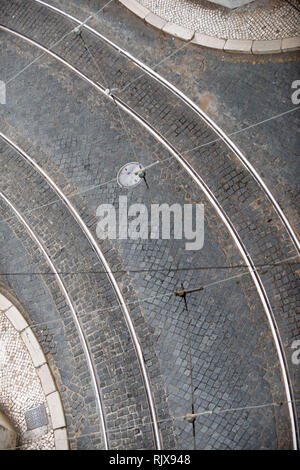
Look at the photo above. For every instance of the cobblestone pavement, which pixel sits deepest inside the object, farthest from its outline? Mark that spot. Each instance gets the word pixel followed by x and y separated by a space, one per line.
pixel 116 364
pixel 48 315
pixel 20 387
pixel 208 328
pixel 231 351
pixel 262 19
pixel 235 92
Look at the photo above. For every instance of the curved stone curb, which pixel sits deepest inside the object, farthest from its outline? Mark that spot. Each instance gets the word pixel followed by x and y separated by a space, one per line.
pixel 241 46
pixel 43 371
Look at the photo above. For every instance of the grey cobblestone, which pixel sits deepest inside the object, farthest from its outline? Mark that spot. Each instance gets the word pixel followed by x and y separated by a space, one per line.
pixel 38 297
pixel 117 358
pixel 168 362
pixel 182 127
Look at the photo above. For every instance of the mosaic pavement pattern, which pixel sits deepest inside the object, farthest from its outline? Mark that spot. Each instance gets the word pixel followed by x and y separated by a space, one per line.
pixel 20 388
pixel 262 19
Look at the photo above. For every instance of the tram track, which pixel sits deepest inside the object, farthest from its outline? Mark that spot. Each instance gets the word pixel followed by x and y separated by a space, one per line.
pixel 69 302
pixel 122 303
pixel 204 187
pixel 200 113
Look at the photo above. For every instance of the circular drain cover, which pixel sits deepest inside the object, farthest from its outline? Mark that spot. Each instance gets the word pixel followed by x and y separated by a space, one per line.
pixel 126 175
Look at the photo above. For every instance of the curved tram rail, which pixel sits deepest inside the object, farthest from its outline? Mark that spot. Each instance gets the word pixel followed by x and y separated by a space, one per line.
pixel 113 281
pixel 73 312
pixel 218 208
pixel 222 135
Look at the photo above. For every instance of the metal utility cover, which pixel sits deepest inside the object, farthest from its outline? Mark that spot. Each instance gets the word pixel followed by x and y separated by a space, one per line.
pixel 126 176
pixel 36 418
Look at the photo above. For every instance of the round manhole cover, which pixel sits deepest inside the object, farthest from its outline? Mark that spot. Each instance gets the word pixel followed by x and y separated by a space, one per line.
pixel 126 176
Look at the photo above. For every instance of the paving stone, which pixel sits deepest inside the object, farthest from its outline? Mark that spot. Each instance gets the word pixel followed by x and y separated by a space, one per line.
pixel 238 45
pixel 20 388
pixel 33 347
pixel 56 410
pixel 171 347
pixel 266 47
pixel 16 318
pixel 265 21
pixel 207 41
pixel 178 31
pixel 46 379
pixel 290 44
pixel 155 21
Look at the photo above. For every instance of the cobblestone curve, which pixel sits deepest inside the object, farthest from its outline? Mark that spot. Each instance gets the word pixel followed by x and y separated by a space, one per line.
pixel 234 100
pixel 47 313
pixel 127 384
pixel 153 285
pixel 205 438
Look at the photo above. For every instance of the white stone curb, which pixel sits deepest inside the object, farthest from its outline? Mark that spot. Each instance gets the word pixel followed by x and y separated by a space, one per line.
pixel 61 439
pixel 237 45
pixel 40 363
pixel 208 41
pixel 266 47
pixel 290 44
pixel 241 46
pixel 4 303
pixel 56 410
pixel 46 379
pixel 16 319
pixel 155 21
pixel 178 31
pixel 33 347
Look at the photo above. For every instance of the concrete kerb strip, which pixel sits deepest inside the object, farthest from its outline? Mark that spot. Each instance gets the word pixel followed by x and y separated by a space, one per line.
pixel 241 46
pixel 266 47
pixel 43 371
pixel 290 44
pixel 178 31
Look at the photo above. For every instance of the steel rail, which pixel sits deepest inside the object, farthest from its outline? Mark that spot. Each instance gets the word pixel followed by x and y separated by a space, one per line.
pixel 223 136
pixel 73 312
pixel 119 295
pixel 237 239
